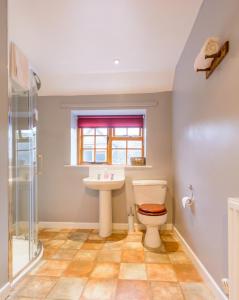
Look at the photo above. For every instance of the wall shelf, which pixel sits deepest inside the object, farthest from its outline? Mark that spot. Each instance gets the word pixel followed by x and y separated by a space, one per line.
pixel 108 166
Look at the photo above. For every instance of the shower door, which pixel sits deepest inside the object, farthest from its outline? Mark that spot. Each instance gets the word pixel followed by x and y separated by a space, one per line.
pixel 23 178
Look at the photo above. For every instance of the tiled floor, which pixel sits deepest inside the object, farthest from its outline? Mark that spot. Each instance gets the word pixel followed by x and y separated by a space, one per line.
pixel 80 265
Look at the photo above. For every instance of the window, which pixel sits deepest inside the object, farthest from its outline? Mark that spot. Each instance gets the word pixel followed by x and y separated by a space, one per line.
pixel 121 138
pixel 93 144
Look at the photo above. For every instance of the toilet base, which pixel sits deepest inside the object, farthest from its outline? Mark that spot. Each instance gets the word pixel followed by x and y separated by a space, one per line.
pixel 152 237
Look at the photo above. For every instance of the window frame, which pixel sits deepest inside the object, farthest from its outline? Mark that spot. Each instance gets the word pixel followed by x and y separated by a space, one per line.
pixel 111 137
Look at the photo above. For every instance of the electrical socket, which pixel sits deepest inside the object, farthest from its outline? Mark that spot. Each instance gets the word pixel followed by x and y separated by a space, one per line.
pixel 225 285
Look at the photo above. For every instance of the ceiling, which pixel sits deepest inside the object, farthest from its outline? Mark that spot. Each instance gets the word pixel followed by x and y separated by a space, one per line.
pixel 72 44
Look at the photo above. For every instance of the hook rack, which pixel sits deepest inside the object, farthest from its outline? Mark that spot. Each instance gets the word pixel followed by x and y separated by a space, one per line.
pixel 38 80
pixel 217 59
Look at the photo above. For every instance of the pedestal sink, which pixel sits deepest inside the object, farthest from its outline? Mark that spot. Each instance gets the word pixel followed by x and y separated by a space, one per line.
pixel 104 186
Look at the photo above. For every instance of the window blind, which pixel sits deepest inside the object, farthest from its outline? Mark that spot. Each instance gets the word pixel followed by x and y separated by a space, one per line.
pixel 111 121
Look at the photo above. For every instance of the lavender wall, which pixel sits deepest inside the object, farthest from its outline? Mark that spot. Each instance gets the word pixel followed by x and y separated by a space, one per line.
pixel 62 195
pixel 3 145
pixel 206 136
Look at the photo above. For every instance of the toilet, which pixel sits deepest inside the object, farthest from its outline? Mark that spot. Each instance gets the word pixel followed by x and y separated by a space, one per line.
pixel 150 196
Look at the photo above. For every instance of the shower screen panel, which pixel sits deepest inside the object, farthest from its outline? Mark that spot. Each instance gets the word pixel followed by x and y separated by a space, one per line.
pixel 23 178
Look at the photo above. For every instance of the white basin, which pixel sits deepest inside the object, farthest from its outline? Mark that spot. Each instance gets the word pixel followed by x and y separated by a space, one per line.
pixel 104 186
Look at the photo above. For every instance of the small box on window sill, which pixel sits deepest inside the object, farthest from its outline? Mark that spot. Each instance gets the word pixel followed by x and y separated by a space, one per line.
pixel 138 161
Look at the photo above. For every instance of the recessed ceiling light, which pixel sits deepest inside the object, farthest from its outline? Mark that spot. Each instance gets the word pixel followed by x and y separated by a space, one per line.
pixel 116 61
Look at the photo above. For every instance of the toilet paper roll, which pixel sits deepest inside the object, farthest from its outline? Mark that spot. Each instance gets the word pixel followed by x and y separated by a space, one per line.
pixel 187 201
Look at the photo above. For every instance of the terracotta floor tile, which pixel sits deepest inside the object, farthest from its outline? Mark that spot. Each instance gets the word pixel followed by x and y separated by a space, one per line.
pixel 133 238
pixel 161 272
pixel 79 264
pixel 113 245
pixel 50 268
pixel 24 298
pixel 72 244
pixel 95 231
pixel 120 231
pixel 86 255
pixel 166 291
pixel 186 273
pixel 139 232
pixel 68 288
pixel 196 291
pixel 133 246
pixel 47 235
pixel 64 254
pixel 50 230
pixel 132 271
pixel 156 258
pixel 117 237
pixel 100 289
pixel 67 230
pixel 168 238
pixel 48 252
pixel 95 241
pixel 105 271
pixel 92 246
pixel 166 232
pixel 171 246
pixel 109 256
pixel 78 236
pixel 161 249
pixel 78 268
pixel 95 237
pixel 37 287
pixel 133 290
pixel 133 256
pixel 81 230
pixel 179 258
pixel 61 236
pixel 53 243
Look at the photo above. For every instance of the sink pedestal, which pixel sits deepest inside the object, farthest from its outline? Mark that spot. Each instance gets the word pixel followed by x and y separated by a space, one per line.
pixel 97 181
pixel 105 213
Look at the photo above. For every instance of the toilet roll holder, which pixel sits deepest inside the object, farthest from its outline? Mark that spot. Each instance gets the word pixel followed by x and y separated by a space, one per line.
pixel 188 200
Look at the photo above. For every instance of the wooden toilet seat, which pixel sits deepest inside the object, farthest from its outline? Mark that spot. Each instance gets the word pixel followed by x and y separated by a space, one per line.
pixel 151 209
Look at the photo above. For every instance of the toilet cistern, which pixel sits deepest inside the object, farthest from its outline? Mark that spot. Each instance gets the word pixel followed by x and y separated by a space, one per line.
pixel 98 180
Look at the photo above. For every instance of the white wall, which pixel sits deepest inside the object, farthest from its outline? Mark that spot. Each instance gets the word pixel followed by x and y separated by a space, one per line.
pixel 62 196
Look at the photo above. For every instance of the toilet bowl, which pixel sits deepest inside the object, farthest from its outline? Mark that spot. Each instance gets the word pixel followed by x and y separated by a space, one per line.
pixel 150 197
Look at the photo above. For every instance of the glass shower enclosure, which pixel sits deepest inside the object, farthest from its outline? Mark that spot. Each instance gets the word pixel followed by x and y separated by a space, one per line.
pixel 23 171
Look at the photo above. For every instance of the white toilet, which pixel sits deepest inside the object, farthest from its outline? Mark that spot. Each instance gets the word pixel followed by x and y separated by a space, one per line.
pixel 150 196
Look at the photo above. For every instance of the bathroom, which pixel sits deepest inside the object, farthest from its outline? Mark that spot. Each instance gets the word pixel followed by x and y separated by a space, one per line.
pixel 149 211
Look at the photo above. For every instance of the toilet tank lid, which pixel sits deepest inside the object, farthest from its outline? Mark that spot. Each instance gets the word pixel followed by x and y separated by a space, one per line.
pixel 149 182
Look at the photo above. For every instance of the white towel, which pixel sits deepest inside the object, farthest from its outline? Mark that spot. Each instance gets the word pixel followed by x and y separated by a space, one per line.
pixel 19 68
pixel 210 47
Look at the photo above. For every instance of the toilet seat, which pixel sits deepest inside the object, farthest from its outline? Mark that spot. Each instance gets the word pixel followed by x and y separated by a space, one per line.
pixel 150 209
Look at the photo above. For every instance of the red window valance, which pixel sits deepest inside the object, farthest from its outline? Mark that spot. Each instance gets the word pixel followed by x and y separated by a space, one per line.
pixel 110 121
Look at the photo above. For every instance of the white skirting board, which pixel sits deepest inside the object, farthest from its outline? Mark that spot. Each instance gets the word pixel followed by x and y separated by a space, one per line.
pixel 4 291
pixel 208 279
pixel 116 226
